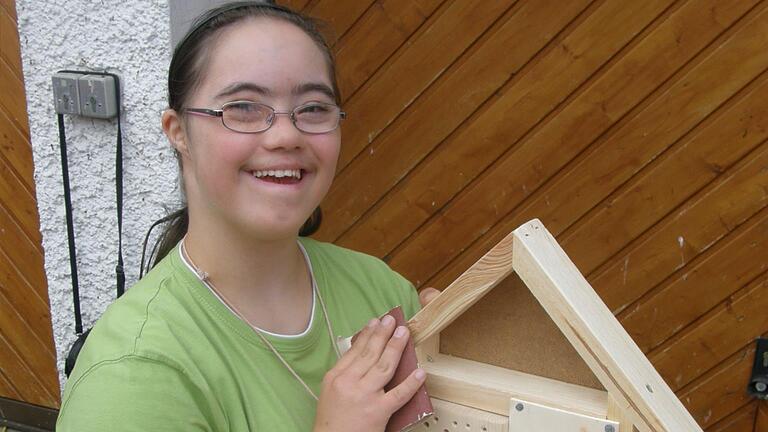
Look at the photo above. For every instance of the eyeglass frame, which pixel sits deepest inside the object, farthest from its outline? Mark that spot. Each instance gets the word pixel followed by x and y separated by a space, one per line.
pixel 292 114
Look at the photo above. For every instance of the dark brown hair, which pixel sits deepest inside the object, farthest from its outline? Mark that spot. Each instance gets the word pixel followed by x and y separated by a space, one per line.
pixel 185 73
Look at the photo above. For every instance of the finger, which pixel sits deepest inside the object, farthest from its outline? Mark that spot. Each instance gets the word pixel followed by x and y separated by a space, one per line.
pixel 381 372
pixel 427 295
pixel 398 396
pixel 357 346
pixel 369 354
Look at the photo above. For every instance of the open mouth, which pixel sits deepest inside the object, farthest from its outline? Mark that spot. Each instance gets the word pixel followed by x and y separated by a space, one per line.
pixel 279 176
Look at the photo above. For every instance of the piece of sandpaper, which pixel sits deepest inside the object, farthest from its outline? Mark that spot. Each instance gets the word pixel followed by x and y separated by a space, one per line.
pixel 420 406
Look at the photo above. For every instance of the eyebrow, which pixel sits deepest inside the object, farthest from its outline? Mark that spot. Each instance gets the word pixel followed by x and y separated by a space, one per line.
pixel 299 89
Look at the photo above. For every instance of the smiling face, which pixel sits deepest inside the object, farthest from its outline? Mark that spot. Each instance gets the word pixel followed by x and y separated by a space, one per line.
pixel 249 182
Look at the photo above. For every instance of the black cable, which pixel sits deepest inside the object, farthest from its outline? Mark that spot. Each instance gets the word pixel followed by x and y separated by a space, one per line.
pixel 70 226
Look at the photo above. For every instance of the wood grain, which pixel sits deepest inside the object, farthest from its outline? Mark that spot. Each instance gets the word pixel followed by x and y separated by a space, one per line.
pixel 411 70
pixel 19 202
pixel 607 349
pixel 489 388
pixel 14 101
pixel 27 258
pixel 700 286
pixel 531 98
pixel 722 391
pixel 470 287
pixel 375 37
pixel 626 147
pixel 17 151
pixel 701 222
pixel 761 418
pixel 9 47
pixel 741 420
pixel 712 338
pixel 527 28
pixel 338 14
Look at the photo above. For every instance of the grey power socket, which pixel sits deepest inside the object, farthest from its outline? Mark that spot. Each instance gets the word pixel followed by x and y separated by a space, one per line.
pixel 66 96
pixel 97 96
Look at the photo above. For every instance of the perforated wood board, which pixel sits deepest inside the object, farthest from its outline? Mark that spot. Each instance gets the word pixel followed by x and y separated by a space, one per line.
pixel 459 418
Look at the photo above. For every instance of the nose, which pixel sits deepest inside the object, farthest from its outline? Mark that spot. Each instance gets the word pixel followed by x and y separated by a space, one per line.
pixel 282 134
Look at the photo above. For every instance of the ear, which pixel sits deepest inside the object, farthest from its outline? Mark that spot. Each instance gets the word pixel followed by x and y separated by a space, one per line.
pixel 174 130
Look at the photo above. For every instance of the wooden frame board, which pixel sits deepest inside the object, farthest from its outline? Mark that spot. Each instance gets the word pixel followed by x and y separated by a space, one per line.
pixel 634 395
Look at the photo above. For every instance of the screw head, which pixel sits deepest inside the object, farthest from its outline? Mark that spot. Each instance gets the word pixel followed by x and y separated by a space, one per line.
pixel 761 386
pixel 519 407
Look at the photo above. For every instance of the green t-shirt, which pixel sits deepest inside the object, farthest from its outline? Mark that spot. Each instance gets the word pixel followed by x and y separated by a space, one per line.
pixel 170 356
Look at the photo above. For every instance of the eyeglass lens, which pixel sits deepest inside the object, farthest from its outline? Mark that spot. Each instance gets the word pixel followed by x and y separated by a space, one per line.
pixel 247 117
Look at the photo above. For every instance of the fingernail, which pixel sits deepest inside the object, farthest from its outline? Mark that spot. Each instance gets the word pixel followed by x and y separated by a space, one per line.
pixel 400 332
pixel 420 374
pixel 387 320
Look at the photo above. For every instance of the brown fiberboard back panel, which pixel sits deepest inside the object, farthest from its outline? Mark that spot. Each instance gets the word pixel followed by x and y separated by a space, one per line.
pixel 509 328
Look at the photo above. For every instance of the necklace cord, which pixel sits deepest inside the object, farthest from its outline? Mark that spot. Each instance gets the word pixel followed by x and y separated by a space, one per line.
pixel 206 280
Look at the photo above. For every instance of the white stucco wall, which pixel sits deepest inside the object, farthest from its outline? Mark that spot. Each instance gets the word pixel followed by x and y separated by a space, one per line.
pixel 132 39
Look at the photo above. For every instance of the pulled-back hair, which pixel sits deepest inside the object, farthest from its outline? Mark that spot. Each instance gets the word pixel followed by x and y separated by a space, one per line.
pixel 185 73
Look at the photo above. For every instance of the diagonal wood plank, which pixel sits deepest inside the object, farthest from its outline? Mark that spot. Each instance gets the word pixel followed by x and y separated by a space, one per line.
pixel 700 286
pixel 375 37
pixel 660 187
pixel 17 151
pixel 417 198
pixel 19 202
pixel 761 417
pixel 412 70
pixel 23 253
pixel 36 384
pixel 635 141
pixel 9 42
pixel 732 324
pixel 721 391
pixel 338 14
pixel 13 100
pixel 741 420
pixel 701 223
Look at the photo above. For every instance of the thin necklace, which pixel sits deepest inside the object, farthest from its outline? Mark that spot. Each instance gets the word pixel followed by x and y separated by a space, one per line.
pixel 205 279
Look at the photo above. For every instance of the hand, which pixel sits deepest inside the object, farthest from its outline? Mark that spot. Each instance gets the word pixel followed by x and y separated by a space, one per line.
pixel 352 396
pixel 427 295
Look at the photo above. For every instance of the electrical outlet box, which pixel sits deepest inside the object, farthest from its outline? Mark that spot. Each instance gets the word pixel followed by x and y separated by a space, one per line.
pixel 66 96
pixel 97 96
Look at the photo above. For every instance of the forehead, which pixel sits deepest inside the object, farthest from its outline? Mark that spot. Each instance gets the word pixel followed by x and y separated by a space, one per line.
pixel 268 52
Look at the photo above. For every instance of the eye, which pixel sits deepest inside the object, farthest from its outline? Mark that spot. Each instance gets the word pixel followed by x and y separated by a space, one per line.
pixel 246 112
pixel 314 109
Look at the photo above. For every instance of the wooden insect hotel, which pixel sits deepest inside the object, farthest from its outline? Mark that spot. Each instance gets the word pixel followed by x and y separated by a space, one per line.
pixel 546 353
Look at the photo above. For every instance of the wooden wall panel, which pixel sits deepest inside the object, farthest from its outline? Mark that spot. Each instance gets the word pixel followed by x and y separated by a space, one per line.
pixel 636 131
pixel 27 358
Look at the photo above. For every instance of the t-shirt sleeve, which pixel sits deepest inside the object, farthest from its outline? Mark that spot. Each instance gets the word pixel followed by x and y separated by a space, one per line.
pixel 134 394
pixel 409 295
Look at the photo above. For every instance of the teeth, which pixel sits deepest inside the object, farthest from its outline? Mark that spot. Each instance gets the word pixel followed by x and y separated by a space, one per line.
pixel 278 173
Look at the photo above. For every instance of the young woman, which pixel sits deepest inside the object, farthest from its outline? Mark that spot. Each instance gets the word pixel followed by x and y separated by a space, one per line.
pixel 236 328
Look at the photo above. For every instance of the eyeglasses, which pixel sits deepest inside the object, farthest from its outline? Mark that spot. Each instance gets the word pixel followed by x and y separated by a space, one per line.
pixel 253 117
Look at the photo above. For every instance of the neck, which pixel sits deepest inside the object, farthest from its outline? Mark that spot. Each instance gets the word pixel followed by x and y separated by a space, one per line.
pixel 266 281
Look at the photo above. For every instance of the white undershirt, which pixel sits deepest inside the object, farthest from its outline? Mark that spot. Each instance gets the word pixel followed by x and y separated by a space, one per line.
pixel 287 336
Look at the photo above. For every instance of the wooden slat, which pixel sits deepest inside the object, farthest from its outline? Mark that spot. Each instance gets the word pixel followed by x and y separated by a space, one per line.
pixel 25 299
pixel 24 255
pixel 9 43
pixel 10 7
pixel 741 420
pixel 416 132
pixel 623 150
pixel 16 149
pixel 761 418
pixel 702 221
pixel 15 197
pixel 6 386
pixel 379 32
pixel 732 324
pixel 670 180
pixel 594 332
pixel 412 70
pixel 410 204
pixel 296 5
pixel 722 390
pixel 698 287
pixel 32 352
pixel 338 14
pixel 23 385
pixel 13 100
